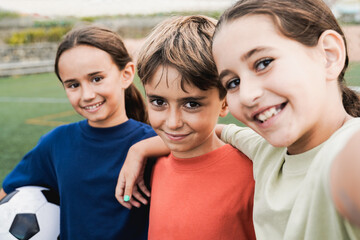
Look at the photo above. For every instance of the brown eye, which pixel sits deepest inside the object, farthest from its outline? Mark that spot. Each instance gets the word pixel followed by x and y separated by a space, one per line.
pixel 233 83
pixel 157 102
pixel 262 64
pixel 73 85
pixel 97 79
pixel 192 105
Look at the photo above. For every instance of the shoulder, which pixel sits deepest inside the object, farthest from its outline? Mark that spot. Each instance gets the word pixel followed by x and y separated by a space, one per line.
pixel 234 156
pixel 141 129
pixel 339 139
pixel 60 132
pixel 231 151
pixel 327 157
pixel 163 165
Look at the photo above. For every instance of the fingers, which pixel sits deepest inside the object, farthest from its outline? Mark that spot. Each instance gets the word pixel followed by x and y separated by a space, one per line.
pixel 143 188
pixel 134 201
pixel 128 194
pixel 137 194
pixel 128 189
pixel 119 192
pixel 128 200
pixel 131 190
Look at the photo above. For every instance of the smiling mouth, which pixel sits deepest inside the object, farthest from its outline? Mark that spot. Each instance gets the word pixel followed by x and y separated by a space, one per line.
pixel 93 107
pixel 176 137
pixel 269 113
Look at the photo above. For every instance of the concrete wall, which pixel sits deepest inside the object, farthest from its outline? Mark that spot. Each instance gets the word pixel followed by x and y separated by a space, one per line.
pixel 28 52
pixel 39 57
pixel 27 59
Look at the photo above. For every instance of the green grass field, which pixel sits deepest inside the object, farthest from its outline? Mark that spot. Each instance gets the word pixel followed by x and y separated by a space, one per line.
pixel 32 105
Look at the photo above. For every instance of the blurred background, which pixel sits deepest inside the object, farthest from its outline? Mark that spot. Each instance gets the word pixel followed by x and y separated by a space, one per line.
pixel 32 100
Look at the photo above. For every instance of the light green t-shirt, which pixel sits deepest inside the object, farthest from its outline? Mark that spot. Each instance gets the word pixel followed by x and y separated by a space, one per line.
pixel 292 192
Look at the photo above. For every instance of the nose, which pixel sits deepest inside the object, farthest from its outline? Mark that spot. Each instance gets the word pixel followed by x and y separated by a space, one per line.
pixel 174 120
pixel 88 92
pixel 251 90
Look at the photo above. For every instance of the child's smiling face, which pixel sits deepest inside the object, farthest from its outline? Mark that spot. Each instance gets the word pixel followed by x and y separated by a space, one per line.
pixel 276 86
pixel 94 85
pixel 184 120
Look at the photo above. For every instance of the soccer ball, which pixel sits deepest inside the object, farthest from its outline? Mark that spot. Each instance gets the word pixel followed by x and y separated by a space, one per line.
pixel 30 213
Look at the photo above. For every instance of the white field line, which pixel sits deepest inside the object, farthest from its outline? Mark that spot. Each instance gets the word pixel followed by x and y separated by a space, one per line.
pixel 33 100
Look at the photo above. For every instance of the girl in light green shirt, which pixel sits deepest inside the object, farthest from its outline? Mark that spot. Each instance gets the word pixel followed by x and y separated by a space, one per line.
pixel 282 63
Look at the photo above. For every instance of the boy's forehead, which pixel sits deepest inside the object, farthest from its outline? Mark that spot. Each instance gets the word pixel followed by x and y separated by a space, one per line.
pixel 166 81
pixel 168 75
pixel 168 78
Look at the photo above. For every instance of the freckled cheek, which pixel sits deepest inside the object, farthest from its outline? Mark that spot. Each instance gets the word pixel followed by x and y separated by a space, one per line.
pixel 197 121
pixel 156 118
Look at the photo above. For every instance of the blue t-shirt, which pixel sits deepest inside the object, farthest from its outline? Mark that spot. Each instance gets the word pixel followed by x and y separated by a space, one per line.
pixel 82 163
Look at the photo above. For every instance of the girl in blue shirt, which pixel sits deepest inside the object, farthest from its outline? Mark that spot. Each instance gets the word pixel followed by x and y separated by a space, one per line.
pixel 82 160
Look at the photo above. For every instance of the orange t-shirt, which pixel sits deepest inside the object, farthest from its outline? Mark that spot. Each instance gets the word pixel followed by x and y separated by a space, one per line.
pixel 206 197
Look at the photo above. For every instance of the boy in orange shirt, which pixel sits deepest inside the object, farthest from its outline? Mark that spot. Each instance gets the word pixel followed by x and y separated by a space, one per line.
pixel 185 99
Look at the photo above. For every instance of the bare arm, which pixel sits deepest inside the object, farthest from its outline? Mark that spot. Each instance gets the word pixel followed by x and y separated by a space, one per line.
pixel 131 174
pixel 345 180
pixel 2 194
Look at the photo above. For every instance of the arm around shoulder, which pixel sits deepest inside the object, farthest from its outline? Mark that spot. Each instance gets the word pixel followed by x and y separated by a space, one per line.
pixel 235 135
pixel 151 147
pixel 345 180
pixel 131 175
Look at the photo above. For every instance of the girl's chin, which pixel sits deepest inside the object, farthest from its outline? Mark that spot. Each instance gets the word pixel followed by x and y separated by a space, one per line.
pixel 278 140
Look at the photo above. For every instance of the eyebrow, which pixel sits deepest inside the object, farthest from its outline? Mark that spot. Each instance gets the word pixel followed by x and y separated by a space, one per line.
pixel 224 73
pixel 94 73
pixel 192 99
pixel 247 55
pixel 89 75
pixel 69 81
pixel 186 99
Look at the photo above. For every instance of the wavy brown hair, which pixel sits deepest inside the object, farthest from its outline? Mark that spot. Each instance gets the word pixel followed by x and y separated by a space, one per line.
pixel 303 21
pixel 111 43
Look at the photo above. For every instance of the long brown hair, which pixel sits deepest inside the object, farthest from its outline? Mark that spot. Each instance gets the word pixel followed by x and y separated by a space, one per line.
pixel 111 43
pixel 303 21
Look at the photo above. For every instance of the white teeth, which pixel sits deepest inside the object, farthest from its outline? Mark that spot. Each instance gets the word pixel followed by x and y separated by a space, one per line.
pixel 93 106
pixel 268 114
pixel 262 117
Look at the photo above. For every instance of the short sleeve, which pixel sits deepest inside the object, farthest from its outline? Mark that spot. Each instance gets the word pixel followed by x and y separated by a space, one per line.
pixel 36 168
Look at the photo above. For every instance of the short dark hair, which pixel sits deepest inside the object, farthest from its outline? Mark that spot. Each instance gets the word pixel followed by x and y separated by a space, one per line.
pixel 183 43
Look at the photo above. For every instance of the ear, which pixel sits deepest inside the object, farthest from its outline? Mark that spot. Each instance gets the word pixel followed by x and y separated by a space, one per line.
pixel 127 75
pixel 333 46
pixel 224 109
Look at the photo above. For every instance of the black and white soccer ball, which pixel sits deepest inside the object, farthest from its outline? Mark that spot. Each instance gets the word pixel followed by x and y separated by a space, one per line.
pixel 30 213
